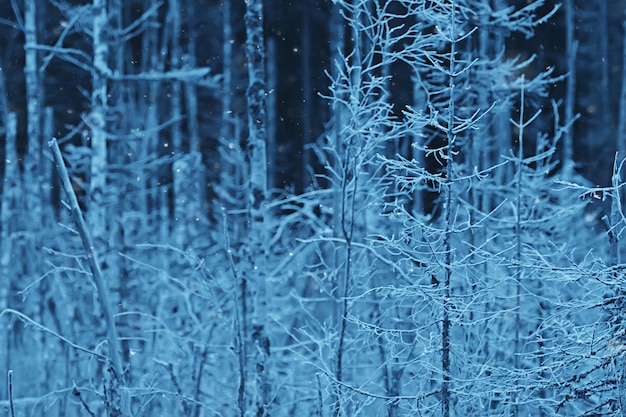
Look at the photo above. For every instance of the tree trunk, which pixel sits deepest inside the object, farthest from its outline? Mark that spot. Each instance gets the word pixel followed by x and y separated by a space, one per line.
pixel 621 130
pixel 191 102
pixel 116 402
pixel 255 280
pixel 274 171
pixel 307 103
pixel 571 46
pixel 97 123
pixel 606 112
pixel 175 56
pixel 10 196
pixel 227 73
pixel 339 119
pixel 31 72
pixel 450 204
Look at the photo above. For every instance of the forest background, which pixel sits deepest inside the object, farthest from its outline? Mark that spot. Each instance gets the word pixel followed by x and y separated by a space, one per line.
pixel 356 207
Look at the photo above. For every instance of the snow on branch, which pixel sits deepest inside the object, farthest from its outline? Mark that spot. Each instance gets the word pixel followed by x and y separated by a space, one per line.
pixel 200 76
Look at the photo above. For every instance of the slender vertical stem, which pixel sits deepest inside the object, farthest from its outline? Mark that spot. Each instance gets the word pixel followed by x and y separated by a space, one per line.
pixel 337 45
pixel 571 46
pixel 175 54
pixel 240 347
pixel 518 235
pixel 621 130
pixel 227 61
pixel 606 110
pixel 188 62
pixel 92 256
pixel 349 187
pixel 272 114
pixel 307 99
pixel 8 207
pixel 10 383
pixel 447 244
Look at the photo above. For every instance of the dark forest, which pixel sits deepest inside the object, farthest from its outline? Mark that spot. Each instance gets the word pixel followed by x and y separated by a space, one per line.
pixel 312 208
